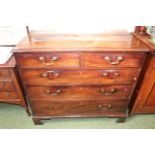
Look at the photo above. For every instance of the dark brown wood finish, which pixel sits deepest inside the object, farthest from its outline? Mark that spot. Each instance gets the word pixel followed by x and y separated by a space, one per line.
pixel 47 77
pixel 4 95
pixel 77 108
pixel 87 92
pixel 6 85
pixel 145 102
pixel 4 73
pixel 80 75
pixel 10 90
pixel 118 41
pixel 54 60
pixel 100 60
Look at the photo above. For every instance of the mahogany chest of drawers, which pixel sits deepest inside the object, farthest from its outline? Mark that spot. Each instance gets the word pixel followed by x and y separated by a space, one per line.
pixel 10 87
pixel 80 76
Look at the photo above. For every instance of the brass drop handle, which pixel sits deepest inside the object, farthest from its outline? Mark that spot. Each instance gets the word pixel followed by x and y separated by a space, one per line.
pixel 113 60
pixel 110 92
pixel 49 73
pixel 116 73
pixel 106 74
pixel 52 60
pixel 102 107
pixel 58 91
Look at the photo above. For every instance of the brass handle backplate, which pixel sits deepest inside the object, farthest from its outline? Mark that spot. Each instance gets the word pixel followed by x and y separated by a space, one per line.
pixel 108 92
pixel 47 60
pixel 50 73
pixel 110 73
pixel 113 60
pixel 104 106
pixel 58 91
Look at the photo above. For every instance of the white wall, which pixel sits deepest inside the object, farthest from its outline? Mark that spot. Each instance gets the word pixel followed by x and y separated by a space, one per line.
pixel 13 34
pixel 79 27
pixel 10 35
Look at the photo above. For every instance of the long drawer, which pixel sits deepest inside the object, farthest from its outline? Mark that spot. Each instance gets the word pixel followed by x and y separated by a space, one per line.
pixel 8 95
pixel 100 60
pixel 78 108
pixel 54 60
pixel 4 73
pixel 48 77
pixel 86 92
pixel 6 85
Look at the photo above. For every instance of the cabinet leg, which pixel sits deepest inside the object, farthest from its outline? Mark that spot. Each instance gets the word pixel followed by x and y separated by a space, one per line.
pixel 121 120
pixel 37 121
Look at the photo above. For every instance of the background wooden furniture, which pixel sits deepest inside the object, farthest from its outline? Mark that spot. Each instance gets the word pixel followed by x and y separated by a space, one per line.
pixel 145 102
pixel 11 90
pixel 80 75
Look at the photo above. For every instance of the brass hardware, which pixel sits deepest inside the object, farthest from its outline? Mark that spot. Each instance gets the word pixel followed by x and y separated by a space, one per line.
pixel 135 78
pixel 109 92
pixel 106 74
pixel 113 60
pixel 109 106
pixel 50 72
pixel 104 107
pixel 53 94
pixel 99 106
pixel 125 89
pixel 55 58
pixel 52 60
pixel 116 74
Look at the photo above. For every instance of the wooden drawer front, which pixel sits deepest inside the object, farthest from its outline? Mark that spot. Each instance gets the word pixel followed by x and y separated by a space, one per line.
pixel 4 73
pixel 94 92
pixel 6 85
pixel 61 77
pixel 100 60
pixel 8 95
pixel 78 108
pixel 54 60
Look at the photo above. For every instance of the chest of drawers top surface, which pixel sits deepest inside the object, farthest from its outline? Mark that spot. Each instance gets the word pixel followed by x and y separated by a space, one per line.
pixel 83 42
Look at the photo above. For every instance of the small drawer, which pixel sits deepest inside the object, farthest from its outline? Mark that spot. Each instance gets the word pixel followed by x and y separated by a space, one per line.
pixel 54 60
pixel 48 77
pixel 8 95
pixel 4 73
pixel 6 85
pixel 79 92
pixel 78 108
pixel 100 60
